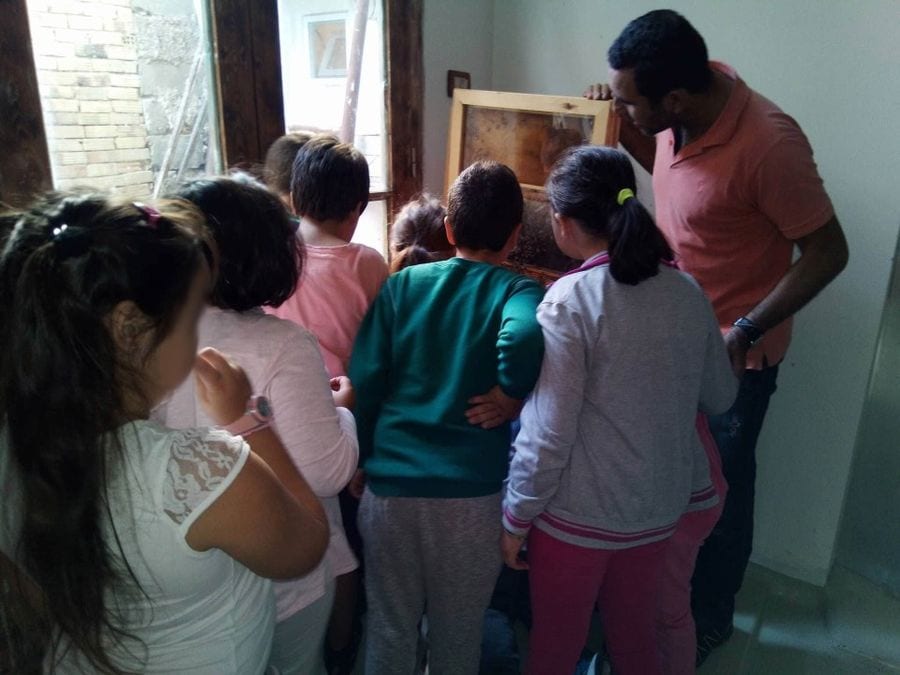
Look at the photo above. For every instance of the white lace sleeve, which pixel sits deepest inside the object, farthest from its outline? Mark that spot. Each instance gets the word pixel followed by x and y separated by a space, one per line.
pixel 202 464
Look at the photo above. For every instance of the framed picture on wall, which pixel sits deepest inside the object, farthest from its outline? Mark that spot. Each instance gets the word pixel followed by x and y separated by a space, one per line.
pixel 528 133
pixel 327 35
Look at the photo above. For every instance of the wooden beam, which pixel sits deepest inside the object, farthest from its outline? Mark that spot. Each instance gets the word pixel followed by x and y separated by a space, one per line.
pixel 267 74
pixel 405 99
pixel 248 78
pixel 24 161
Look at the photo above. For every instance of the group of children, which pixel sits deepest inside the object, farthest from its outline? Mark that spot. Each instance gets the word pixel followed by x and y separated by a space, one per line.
pixel 145 511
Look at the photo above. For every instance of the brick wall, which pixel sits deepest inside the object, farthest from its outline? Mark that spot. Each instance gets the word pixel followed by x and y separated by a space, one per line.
pixel 91 93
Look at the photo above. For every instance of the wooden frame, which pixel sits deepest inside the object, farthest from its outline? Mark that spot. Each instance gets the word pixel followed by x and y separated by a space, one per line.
pixel 25 161
pixel 406 87
pixel 527 132
pixel 605 127
pixel 248 78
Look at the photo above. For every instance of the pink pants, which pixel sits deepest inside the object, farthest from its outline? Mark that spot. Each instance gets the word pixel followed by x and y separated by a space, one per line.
pixel 675 624
pixel 567 581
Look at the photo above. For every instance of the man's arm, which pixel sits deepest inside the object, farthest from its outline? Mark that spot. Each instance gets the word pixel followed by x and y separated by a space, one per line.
pixel 823 254
pixel 640 146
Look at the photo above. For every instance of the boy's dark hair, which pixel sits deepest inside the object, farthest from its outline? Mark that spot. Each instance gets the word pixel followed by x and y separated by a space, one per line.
pixel 585 185
pixel 484 206
pixel 666 53
pixel 65 386
pixel 260 255
pixel 280 160
pixel 418 234
pixel 329 179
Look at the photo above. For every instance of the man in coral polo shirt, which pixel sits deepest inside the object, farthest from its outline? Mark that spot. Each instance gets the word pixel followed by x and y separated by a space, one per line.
pixel 736 189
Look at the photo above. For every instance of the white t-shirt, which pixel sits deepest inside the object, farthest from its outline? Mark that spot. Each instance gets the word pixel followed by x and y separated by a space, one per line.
pixel 205 613
pixel 283 362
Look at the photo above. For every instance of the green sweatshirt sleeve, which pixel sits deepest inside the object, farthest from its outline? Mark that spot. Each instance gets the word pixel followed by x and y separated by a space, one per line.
pixel 370 367
pixel 520 342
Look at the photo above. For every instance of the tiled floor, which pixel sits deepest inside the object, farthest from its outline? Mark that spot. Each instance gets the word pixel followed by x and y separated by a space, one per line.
pixel 786 627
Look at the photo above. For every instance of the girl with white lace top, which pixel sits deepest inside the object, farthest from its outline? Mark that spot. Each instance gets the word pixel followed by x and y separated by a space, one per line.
pixel 260 261
pixel 126 546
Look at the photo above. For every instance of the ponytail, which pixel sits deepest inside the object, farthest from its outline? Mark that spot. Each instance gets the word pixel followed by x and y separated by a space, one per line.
pixel 414 254
pixel 66 265
pixel 636 246
pixel 595 186
pixel 418 234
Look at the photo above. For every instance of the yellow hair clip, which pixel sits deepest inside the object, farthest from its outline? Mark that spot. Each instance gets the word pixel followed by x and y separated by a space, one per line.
pixel 624 195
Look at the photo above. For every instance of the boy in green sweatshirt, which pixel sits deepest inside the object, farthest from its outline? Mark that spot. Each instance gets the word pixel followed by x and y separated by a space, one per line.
pixel 443 358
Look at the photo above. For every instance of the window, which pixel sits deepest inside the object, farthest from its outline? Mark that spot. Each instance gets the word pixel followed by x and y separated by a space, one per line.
pixel 131 103
pixel 125 92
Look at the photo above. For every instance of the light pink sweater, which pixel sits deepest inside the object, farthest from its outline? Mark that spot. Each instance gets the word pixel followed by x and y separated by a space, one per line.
pixel 283 362
pixel 336 287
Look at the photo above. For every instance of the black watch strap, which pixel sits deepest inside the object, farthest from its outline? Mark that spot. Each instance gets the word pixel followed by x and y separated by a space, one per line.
pixel 750 329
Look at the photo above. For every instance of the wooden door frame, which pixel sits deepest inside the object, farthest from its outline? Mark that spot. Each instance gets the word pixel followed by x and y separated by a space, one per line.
pixel 247 67
pixel 248 76
pixel 405 95
pixel 25 160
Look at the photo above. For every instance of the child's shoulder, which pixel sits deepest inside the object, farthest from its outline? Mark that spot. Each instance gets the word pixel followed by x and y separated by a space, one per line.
pixel 351 260
pixel 363 252
pixel 255 329
pixel 188 443
pixel 156 451
pixel 521 281
pixel 200 463
pixel 574 283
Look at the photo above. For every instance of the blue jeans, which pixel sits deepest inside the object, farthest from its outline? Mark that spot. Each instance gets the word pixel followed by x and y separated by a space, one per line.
pixel 723 558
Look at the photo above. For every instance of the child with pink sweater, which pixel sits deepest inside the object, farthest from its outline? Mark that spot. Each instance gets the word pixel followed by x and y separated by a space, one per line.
pixel 329 192
pixel 340 279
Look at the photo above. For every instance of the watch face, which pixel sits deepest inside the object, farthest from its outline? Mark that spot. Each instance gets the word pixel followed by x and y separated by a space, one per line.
pixel 263 407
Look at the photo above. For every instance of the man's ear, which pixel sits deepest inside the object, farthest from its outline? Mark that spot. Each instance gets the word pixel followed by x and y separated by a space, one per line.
pixel 448 229
pixel 128 327
pixel 675 102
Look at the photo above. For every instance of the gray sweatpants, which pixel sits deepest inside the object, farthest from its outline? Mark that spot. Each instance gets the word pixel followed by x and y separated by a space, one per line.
pixel 439 557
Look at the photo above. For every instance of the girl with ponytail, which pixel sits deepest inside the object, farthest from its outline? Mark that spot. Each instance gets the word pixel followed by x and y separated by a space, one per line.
pixel 126 546
pixel 608 457
pixel 418 234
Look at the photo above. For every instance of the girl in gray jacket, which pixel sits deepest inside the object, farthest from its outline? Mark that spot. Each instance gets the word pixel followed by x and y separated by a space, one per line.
pixel 608 458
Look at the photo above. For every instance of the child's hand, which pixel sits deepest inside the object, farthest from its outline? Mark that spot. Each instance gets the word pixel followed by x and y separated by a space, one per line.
pixel 493 408
pixel 222 386
pixel 342 392
pixel 510 547
pixel 357 484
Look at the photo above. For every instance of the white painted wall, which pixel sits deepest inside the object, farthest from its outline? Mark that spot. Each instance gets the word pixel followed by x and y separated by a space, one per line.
pixel 832 65
pixel 457 35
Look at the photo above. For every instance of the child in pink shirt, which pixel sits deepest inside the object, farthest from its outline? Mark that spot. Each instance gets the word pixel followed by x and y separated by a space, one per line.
pixel 329 191
pixel 339 280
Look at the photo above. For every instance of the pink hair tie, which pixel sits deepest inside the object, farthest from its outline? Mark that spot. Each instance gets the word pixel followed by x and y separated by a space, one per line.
pixel 150 213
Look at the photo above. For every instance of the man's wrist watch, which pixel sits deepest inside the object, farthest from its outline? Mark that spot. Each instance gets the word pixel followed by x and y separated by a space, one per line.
pixel 257 417
pixel 749 328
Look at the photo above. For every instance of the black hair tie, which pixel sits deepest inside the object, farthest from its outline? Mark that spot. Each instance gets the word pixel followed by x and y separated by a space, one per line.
pixel 70 242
